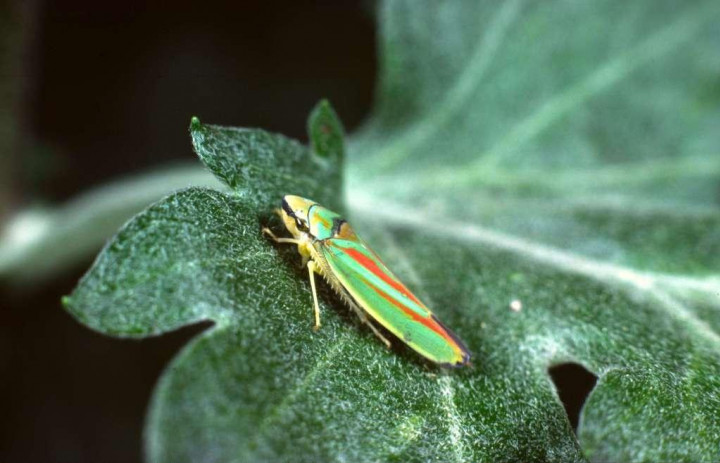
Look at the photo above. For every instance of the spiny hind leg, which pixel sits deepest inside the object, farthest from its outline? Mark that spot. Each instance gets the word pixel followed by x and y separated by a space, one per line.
pixel 312 270
pixel 364 318
pixel 378 333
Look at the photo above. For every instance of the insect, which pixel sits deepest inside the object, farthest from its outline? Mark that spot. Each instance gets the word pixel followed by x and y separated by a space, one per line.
pixel 329 247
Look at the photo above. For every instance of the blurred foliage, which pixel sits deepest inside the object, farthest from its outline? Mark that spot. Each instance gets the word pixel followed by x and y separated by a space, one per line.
pixel 9 93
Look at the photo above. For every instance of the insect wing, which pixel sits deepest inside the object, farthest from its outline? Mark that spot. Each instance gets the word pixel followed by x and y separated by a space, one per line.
pixel 379 292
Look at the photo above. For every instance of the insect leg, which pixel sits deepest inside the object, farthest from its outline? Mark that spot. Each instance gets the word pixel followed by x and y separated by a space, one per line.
pixel 364 319
pixel 312 269
pixel 378 333
pixel 268 232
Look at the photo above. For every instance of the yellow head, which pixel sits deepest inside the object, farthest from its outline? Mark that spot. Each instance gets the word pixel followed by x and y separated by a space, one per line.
pixel 294 214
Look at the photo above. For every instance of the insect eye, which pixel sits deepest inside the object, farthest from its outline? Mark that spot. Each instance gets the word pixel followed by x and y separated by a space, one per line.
pixel 300 224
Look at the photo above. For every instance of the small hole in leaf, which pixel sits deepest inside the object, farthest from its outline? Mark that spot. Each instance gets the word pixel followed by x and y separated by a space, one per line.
pixel 573 383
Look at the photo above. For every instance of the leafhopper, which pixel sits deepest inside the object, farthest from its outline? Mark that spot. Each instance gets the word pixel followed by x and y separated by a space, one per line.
pixel 329 247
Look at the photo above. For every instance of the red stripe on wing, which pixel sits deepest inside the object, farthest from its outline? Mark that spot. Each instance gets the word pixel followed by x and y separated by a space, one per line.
pixel 373 268
pixel 429 322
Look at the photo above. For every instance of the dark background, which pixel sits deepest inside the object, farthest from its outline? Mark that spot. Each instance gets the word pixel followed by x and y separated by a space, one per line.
pixel 103 89
pixel 90 91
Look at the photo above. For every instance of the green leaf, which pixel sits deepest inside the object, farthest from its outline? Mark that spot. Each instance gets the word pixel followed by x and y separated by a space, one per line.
pixel 262 167
pixel 543 174
pixel 41 242
pixel 326 132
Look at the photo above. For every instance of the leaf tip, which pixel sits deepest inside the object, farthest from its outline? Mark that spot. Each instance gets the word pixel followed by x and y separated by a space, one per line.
pixel 325 131
pixel 197 135
pixel 323 104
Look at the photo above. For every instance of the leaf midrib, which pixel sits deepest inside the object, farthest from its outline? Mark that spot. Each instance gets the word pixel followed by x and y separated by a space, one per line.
pixel 625 278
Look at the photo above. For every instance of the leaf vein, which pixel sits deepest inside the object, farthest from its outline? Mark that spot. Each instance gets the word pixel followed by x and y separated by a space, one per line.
pixel 606 75
pixel 457 97
pixel 606 272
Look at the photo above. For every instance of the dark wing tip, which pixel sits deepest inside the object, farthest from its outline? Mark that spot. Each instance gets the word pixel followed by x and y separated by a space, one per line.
pixel 465 358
